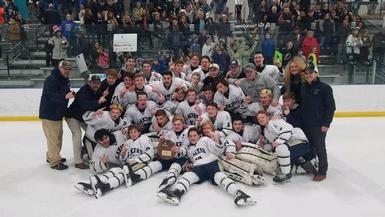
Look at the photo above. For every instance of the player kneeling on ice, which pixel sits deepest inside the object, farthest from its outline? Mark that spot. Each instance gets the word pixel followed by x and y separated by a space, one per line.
pixel 289 144
pixel 203 153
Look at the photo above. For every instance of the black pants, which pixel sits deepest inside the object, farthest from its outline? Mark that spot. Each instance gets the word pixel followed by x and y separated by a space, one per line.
pixel 317 141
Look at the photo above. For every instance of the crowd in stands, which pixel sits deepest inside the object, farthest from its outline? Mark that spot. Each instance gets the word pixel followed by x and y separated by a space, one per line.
pixel 185 27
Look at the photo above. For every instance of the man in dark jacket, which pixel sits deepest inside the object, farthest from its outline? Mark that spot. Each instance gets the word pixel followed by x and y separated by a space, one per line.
pixel 88 98
pixel 53 104
pixel 317 109
pixel 51 17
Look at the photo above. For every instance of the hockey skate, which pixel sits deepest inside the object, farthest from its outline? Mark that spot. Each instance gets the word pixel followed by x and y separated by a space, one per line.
pixel 258 180
pixel 98 186
pixel 130 177
pixel 169 196
pixel 243 199
pixel 166 182
pixel 308 166
pixel 281 178
pixel 85 188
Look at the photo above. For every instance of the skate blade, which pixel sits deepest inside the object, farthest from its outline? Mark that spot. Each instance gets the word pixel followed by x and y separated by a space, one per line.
pixel 280 183
pixel 244 203
pixel 167 198
pixel 85 191
pixel 93 182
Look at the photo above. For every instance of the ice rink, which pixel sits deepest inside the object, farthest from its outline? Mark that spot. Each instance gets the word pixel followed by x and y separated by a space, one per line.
pixel 355 184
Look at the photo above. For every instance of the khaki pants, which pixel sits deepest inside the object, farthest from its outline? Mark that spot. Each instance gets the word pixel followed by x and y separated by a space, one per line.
pixel 53 131
pixel 76 127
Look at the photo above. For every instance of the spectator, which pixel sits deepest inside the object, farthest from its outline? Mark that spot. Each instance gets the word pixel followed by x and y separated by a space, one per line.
pixel 309 43
pixel 353 44
pixel 101 28
pixel 60 45
pixel 366 45
pixel 268 47
pixel 223 27
pixel 342 33
pixel 157 34
pixel 1 22
pixel 14 31
pixel 176 38
pixel 219 58
pixel 327 30
pixel 51 17
pixel 288 53
pixel 208 47
pixel 379 47
pixel 53 104
pixel 68 27
pixel 12 11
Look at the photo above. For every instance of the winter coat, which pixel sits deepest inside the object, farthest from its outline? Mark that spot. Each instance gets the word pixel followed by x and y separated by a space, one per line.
pixel 85 100
pixel 317 104
pixel 60 45
pixel 308 44
pixel 268 47
pixel 53 103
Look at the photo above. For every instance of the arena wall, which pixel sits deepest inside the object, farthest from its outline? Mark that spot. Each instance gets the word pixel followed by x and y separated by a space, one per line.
pixel 351 101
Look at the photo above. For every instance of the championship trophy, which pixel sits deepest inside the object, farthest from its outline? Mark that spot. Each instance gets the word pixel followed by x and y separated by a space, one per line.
pixel 164 149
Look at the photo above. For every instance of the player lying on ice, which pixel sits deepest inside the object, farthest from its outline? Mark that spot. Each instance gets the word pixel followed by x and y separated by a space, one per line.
pixel 203 152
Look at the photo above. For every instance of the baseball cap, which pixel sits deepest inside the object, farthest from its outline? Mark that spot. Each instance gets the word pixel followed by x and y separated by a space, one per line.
pixel 234 63
pixel 250 66
pixel 214 65
pixel 65 64
pixel 95 78
pixel 310 68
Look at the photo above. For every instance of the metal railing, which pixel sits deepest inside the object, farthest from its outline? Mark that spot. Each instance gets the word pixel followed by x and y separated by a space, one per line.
pixel 14 53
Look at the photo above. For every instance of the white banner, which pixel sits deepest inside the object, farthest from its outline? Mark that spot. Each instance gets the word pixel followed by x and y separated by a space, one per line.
pixel 125 43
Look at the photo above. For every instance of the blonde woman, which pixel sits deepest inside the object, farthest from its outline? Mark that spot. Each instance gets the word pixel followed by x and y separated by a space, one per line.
pixel 293 76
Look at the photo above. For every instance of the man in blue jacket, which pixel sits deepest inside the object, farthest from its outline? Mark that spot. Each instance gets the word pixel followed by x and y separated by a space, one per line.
pixel 53 104
pixel 317 108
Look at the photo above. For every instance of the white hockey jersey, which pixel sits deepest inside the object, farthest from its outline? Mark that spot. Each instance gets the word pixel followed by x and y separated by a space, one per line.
pixel 280 131
pixel 171 106
pixel 97 166
pixel 234 103
pixel 166 127
pixel 222 122
pixel 143 119
pixel 189 112
pixel 140 150
pixel 256 107
pixel 167 92
pixel 180 139
pixel 103 121
pixel 205 151
pixel 249 134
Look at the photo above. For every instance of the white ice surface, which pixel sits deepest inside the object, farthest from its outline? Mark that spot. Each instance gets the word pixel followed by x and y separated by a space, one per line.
pixel 354 187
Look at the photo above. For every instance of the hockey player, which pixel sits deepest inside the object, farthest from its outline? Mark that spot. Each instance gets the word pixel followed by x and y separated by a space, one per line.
pixel 231 98
pixel 289 144
pixel 243 133
pixel 177 97
pixel 123 88
pixel 161 121
pixel 177 70
pixel 191 108
pixel 291 111
pixel 167 86
pixel 203 154
pixel 178 135
pixel 104 157
pixel 109 120
pixel 236 169
pixel 194 64
pixel 220 119
pixel 265 103
pixel 135 152
pixel 270 70
pixel 150 76
pixel 141 113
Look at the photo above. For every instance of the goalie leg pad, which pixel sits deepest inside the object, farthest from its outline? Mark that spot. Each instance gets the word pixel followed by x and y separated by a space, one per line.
pixel 241 171
pixel 265 160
